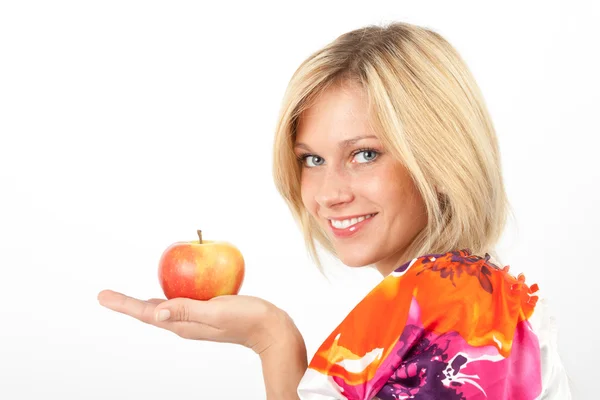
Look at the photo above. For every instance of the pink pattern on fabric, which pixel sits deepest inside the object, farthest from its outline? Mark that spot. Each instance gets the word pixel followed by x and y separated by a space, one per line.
pixel 467 369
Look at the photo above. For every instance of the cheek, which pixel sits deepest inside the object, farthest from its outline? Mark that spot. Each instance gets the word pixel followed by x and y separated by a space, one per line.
pixel 307 194
pixel 377 187
pixel 392 188
pixel 409 205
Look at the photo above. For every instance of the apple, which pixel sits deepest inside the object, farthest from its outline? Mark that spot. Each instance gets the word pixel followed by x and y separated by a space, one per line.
pixel 201 269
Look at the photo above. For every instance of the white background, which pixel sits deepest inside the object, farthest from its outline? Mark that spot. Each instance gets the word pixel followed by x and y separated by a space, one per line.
pixel 127 125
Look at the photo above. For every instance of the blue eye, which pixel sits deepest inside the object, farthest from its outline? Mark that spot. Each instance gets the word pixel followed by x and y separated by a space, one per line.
pixel 312 161
pixel 361 156
pixel 367 155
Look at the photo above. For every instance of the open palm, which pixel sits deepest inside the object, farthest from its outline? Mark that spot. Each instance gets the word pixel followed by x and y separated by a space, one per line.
pixel 245 320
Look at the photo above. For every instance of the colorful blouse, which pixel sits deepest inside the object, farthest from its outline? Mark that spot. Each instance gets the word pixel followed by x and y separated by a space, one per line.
pixel 443 326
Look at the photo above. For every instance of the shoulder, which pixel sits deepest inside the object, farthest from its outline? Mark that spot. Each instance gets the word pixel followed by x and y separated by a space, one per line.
pixel 468 294
pixel 461 272
pixel 454 318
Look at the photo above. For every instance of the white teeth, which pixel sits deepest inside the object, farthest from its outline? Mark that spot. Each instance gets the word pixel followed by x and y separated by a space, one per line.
pixel 343 224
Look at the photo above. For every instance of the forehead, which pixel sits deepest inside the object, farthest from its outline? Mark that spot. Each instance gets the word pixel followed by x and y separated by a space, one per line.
pixel 338 113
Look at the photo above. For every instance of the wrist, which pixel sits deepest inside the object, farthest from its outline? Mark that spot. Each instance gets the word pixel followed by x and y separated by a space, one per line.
pixel 274 329
pixel 284 360
pixel 279 332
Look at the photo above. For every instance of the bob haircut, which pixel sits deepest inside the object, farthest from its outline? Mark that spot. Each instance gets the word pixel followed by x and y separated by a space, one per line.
pixel 428 112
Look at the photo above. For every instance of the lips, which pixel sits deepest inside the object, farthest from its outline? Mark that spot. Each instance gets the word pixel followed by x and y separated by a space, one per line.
pixel 349 226
pixel 347 222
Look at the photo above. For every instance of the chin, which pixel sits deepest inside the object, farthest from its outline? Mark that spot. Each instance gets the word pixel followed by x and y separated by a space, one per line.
pixel 356 260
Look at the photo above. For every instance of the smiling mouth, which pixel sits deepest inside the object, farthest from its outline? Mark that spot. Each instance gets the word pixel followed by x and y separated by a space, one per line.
pixel 346 223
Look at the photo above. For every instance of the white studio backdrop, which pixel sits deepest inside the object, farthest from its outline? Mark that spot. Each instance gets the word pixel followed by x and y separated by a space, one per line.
pixel 127 125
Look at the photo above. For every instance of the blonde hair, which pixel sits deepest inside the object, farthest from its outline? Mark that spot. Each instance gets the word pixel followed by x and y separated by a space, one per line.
pixel 428 112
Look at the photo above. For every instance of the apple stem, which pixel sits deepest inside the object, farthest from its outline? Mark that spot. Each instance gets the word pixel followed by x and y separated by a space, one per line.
pixel 200 236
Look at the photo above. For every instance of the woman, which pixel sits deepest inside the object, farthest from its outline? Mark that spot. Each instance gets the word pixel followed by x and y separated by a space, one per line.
pixel 387 157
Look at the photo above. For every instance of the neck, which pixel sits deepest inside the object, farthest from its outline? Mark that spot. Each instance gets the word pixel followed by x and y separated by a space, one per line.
pixel 388 265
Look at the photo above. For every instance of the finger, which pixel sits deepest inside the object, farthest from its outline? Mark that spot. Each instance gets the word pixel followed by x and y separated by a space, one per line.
pixel 188 310
pixel 155 301
pixel 138 309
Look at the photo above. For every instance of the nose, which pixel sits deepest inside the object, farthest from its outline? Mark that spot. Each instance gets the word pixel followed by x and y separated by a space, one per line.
pixel 334 190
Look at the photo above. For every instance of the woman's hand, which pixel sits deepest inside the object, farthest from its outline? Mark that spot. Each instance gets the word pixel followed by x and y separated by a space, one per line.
pixel 249 321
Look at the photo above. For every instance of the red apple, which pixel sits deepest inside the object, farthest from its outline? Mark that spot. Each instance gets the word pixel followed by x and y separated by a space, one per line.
pixel 200 269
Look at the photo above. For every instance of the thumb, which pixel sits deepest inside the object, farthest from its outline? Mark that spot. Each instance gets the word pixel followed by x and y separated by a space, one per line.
pixel 182 310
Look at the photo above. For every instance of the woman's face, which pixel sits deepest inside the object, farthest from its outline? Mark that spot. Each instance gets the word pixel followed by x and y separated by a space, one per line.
pixel 363 198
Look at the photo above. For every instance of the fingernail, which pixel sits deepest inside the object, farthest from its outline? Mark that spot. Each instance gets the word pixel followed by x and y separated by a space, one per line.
pixel 163 315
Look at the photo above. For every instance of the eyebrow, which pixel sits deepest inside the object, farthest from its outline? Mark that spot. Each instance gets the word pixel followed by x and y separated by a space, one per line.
pixel 343 144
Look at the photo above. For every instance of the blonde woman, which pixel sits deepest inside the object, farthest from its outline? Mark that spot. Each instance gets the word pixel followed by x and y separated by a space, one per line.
pixel 386 156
